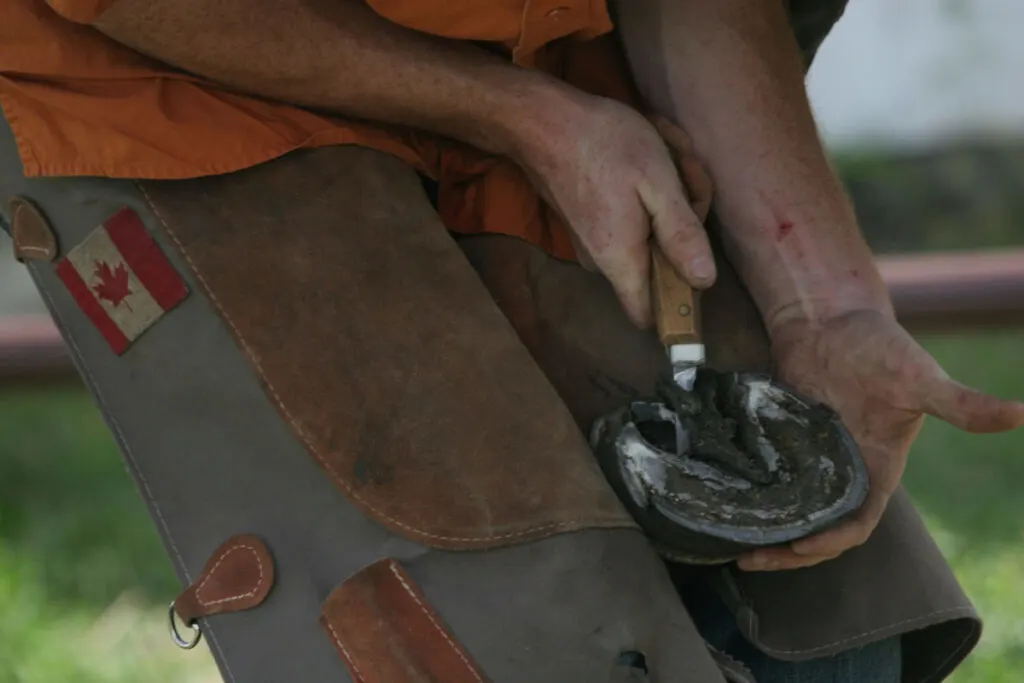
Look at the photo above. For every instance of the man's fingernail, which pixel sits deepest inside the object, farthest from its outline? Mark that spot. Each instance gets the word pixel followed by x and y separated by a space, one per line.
pixel 702 268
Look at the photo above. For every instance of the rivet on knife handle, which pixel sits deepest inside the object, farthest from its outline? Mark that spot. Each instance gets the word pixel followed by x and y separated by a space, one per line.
pixel 675 303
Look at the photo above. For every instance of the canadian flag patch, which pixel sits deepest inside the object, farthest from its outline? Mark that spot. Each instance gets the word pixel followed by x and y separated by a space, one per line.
pixel 121 279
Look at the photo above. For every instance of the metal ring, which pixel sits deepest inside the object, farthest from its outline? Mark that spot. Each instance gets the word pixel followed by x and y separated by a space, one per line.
pixel 176 637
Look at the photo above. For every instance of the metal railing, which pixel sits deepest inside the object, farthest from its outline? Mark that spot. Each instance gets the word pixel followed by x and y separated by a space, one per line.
pixel 932 293
pixel 947 292
pixel 31 350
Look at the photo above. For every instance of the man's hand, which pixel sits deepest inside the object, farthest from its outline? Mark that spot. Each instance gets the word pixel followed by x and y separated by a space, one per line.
pixel 882 383
pixel 600 164
pixel 607 171
pixel 864 365
pixel 732 74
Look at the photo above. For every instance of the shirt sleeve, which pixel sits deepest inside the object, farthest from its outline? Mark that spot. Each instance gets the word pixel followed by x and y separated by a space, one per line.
pixel 80 11
pixel 812 21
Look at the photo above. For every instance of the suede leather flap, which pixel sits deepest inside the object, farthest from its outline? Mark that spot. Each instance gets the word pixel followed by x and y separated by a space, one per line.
pixel 378 344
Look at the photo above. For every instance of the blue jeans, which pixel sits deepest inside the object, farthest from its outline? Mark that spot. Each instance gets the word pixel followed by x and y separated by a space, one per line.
pixel 879 662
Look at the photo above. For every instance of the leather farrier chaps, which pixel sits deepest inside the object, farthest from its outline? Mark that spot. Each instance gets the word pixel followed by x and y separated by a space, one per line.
pixel 362 441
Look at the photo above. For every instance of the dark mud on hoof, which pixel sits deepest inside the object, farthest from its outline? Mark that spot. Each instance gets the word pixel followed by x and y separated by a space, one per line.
pixel 740 462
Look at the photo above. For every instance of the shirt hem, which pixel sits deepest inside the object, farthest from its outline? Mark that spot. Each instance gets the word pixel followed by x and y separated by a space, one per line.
pixel 33 167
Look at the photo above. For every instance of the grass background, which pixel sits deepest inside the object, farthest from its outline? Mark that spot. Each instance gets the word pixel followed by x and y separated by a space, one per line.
pixel 84 580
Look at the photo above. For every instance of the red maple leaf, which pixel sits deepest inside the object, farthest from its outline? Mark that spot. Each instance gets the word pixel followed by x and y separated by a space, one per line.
pixel 113 284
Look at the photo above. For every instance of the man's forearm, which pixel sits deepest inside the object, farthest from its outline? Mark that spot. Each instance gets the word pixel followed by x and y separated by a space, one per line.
pixel 730 72
pixel 339 56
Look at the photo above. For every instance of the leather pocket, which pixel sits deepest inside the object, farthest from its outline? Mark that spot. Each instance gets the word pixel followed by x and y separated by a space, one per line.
pixel 386 631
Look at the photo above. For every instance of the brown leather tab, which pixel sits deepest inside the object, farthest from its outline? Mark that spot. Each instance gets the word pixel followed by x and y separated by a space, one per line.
pixel 238 576
pixel 387 632
pixel 34 239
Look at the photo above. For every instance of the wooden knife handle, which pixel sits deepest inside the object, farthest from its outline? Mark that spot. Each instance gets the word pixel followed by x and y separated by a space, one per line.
pixel 675 303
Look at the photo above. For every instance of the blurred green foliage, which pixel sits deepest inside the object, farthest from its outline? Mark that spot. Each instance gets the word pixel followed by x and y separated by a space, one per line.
pixel 968 195
pixel 84 579
pixel 968 488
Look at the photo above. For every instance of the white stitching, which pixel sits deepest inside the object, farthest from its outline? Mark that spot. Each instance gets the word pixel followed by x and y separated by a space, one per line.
pixel 307 441
pixel 224 555
pixel 393 566
pixel 28 247
pixel 873 631
pixel 345 652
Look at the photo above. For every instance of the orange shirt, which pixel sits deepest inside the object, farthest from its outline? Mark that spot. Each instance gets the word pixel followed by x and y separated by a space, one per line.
pixel 81 104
